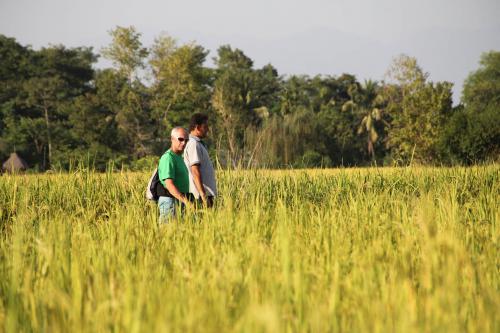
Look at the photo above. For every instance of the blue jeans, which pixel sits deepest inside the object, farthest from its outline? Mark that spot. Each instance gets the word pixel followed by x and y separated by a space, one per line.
pixel 167 207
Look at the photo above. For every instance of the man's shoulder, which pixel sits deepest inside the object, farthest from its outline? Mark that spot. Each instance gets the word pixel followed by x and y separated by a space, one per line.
pixel 168 155
pixel 165 154
pixel 192 145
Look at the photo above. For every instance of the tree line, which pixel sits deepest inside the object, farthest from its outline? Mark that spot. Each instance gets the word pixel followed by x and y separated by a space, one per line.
pixel 55 107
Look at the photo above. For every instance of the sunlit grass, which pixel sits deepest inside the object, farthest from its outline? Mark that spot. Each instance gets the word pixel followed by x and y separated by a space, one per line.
pixel 361 250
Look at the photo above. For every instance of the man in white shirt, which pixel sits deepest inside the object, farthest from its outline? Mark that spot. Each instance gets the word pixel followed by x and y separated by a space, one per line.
pixel 202 184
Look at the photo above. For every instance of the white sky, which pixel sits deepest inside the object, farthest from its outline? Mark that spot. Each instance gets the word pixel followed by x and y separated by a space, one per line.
pixel 297 37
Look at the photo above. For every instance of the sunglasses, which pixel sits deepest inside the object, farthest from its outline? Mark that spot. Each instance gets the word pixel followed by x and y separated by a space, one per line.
pixel 181 139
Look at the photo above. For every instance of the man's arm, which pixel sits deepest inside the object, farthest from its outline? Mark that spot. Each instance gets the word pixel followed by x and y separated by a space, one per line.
pixel 198 182
pixel 169 184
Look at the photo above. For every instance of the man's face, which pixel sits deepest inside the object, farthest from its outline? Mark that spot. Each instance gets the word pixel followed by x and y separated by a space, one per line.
pixel 179 140
pixel 203 130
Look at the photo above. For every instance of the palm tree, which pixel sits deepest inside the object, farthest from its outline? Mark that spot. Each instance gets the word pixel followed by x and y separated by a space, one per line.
pixel 367 102
pixel 368 125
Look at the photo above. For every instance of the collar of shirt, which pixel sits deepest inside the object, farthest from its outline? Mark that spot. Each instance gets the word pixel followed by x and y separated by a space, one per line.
pixel 195 138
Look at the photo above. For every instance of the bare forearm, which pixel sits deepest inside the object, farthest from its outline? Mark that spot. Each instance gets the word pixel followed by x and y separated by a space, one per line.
pixel 198 181
pixel 169 184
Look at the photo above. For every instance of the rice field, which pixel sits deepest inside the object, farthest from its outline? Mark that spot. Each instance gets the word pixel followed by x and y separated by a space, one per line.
pixel 345 250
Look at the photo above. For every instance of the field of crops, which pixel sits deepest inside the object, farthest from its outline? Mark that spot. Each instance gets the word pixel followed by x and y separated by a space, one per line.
pixel 348 250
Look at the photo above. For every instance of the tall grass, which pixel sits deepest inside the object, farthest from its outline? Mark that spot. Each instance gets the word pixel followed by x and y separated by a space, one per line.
pixel 349 250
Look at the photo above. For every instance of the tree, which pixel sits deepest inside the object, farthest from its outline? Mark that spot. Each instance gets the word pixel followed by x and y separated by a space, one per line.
pixel 15 67
pixel 367 102
pixel 418 111
pixel 473 133
pixel 241 97
pixel 95 131
pixel 132 109
pixel 233 111
pixel 482 87
pixel 286 141
pixel 180 84
pixel 126 51
pixel 39 87
pixel 45 94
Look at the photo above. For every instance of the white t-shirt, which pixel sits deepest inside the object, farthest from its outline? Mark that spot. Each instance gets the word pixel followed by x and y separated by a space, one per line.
pixel 196 153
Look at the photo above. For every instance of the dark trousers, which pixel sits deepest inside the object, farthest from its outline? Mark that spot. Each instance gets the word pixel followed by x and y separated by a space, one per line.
pixel 198 202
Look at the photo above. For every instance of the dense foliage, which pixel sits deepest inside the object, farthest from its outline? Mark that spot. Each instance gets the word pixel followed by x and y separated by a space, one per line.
pixel 55 107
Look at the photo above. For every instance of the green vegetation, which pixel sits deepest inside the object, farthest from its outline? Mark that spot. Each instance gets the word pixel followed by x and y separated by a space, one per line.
pixel 55 108
pixel 350 250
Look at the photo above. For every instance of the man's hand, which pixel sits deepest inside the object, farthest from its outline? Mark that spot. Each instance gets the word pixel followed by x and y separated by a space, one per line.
pixel 169 184
pixel 188 204
pixel 203 198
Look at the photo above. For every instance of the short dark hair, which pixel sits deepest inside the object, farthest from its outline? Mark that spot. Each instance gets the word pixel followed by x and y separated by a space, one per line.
pixel 197 119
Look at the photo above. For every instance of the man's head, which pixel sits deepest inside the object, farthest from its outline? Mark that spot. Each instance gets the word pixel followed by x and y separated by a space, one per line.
pixel 179 137
pixel 199 125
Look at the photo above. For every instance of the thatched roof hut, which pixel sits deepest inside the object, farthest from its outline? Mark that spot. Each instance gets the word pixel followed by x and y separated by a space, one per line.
pixel 14 164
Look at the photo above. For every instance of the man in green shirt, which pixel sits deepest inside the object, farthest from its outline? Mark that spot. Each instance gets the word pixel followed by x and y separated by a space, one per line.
pixel 173 176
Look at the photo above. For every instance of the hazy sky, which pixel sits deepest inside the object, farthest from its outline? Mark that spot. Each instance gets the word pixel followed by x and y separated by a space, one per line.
pixel 297 37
